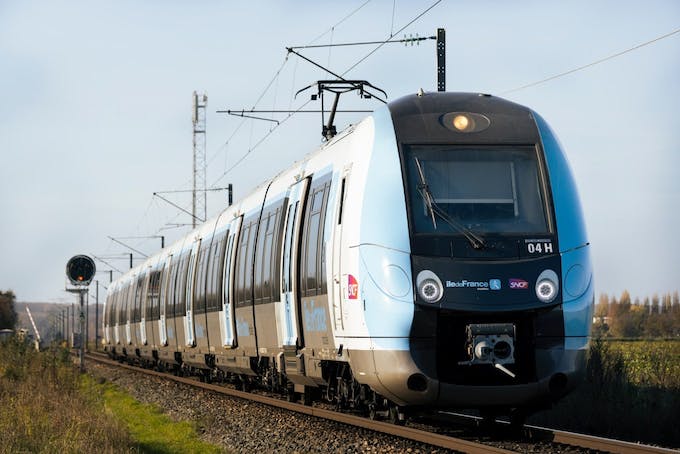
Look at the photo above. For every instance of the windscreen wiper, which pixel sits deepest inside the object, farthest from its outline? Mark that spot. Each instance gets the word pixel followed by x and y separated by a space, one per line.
pixel 424 191
pixel 434 209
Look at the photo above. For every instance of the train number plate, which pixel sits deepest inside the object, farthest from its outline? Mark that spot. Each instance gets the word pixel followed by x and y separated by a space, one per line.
pixel 539 246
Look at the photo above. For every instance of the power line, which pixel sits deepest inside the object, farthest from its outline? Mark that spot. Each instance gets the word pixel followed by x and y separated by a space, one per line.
pixel 597 62
pixel 251 149
pixel 341 21
pixel 276 76
pixel 392 36
pixel 382 43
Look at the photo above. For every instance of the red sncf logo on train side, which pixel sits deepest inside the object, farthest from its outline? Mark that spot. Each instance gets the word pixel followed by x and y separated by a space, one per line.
pixel 352 287
pixel 518 284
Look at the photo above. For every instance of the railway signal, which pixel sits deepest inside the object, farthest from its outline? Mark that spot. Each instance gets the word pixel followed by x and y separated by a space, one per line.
pixel 80 270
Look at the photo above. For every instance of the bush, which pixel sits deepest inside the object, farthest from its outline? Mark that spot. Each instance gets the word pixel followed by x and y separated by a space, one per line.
pixel 631 393
pixel 42 408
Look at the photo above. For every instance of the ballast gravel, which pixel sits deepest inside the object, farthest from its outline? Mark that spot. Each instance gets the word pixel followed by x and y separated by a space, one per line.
pixel 250 427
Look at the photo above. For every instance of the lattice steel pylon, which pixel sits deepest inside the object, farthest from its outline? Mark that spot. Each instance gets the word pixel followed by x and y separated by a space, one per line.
pixel 199 204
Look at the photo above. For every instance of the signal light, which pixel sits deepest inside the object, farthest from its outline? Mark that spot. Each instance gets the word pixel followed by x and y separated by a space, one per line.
pixel 80 270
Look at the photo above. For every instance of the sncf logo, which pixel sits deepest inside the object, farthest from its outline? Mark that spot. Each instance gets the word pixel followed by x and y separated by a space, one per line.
pixel 518 284
pixel 352 287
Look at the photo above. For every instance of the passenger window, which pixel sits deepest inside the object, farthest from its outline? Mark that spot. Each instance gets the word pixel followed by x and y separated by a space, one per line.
pixel 313 269
pixel 287 270
pixel 152 295
pixel 137 315
pixel 180 291
pixel 244 277
pixel 215 269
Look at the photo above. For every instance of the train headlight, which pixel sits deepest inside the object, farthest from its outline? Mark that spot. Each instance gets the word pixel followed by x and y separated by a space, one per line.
pixel 465 122
pixel 461 122
pixel 430 288
pixel 547 286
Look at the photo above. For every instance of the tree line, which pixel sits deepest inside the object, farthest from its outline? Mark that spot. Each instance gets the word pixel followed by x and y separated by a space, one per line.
pixel 8 315
pixel 655 317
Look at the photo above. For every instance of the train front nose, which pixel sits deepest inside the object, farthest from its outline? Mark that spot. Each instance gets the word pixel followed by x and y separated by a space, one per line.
pixel 500 374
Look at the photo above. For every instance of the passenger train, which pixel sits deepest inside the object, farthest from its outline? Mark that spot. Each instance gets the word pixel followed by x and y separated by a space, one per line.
pixel 432 256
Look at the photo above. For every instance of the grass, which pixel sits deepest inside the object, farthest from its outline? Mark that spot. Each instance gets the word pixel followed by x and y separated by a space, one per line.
pixel 650 363
pixel 632 392
pixel 153 431
pixel 46 406
pixel 42 409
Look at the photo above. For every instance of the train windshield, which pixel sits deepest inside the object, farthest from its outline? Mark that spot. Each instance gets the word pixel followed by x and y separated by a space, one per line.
pixel 454 190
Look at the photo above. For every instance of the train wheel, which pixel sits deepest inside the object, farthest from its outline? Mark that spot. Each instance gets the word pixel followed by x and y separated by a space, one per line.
pixel 307 396
pixel 518 416
pixel 396 416
pixel 488 420
pixel 372 413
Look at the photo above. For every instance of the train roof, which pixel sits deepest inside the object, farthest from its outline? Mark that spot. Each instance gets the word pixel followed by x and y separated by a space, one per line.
pixel 418 118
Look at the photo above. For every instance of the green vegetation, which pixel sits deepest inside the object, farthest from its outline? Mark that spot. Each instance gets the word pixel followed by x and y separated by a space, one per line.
pixel 46 406
pixel 153 431
pixel 8 315
pixel 43 410
pixel 632 392
pixel 658 317
pixel 650 363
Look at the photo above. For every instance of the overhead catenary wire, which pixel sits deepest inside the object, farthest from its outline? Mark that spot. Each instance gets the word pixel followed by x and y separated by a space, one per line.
pixel 522 87
pixel 427 10
pixel 278 73
pixel 259 98
pixel 382 43
pixel 257 144
pixel 596 62
pixel 352 13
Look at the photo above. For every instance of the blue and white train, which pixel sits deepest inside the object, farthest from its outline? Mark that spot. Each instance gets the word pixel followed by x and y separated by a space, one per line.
pixel 433 255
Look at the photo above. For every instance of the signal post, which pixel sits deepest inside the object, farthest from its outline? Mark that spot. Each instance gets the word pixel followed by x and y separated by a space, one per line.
pixel 80 270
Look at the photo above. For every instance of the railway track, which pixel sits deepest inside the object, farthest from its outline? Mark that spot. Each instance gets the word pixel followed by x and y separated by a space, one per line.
pixel 534 439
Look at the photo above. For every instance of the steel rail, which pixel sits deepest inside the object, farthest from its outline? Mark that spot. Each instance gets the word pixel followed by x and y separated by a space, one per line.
pixel 574 439
pixel 602 444
pixel 408 433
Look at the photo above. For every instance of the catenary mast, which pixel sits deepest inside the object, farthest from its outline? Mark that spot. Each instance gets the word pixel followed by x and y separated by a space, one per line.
pixel 199 203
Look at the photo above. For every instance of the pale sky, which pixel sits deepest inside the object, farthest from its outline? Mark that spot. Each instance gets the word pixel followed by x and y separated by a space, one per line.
pixel 95 113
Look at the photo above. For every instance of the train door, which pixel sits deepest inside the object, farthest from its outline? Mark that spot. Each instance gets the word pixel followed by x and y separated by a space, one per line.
pixel 129 307
pixel 266 283
pixel 227 327
pixel 171 313
pixel 189 334
pixel 153 296
pixel 290 328
pixel 214 303
pixel 313 294
pixel 243 286
pixel 107 318
pixel 200 294
pixel 137 311
pixel 180 297
pixel 337 296
pixel 113 315
pixel 164 299
pixel 143 302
